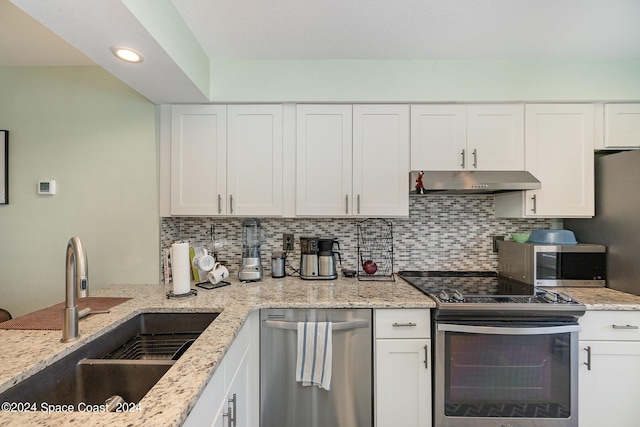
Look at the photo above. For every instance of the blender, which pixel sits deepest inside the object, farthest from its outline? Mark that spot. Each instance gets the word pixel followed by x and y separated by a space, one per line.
pixel 252 238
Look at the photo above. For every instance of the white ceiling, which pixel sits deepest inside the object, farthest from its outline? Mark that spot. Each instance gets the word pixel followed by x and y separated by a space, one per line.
pixel 298 29
pixel 414 29
pixel 24 42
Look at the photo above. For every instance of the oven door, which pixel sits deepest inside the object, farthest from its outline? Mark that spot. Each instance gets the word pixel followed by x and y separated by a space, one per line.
pixel 516 374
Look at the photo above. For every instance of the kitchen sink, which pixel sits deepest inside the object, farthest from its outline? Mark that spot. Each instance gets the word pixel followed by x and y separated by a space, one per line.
pixel 126 362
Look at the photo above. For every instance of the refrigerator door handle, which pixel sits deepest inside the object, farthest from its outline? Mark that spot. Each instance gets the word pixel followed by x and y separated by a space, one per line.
pixel 338 326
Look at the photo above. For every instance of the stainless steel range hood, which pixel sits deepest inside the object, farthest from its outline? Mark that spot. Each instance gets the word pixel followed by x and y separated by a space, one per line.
pixel 472 182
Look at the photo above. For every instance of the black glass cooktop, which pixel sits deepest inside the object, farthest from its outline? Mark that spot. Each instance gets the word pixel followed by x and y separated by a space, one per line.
pixel 485 290
pixel 467 283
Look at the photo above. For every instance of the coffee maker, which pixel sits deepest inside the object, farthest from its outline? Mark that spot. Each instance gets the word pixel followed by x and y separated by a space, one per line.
pixel 327 258
pixel 252 238
pixel 308 257
pixel 317 258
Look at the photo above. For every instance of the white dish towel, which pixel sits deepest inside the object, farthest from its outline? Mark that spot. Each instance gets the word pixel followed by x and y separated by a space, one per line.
pixel 313 365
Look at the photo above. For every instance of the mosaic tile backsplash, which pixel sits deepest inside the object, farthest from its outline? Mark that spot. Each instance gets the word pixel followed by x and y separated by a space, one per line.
pixel 441 233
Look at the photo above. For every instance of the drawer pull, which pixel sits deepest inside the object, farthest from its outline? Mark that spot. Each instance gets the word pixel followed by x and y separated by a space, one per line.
pixel 625 327
pixel 398 325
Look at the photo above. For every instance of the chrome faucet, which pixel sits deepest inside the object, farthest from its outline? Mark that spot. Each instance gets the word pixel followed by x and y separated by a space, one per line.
pixel 77 286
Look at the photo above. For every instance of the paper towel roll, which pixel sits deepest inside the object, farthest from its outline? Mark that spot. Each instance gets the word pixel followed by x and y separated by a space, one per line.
pixel 180 268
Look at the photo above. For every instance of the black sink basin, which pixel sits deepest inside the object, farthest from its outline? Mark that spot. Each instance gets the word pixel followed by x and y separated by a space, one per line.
pixel 126 361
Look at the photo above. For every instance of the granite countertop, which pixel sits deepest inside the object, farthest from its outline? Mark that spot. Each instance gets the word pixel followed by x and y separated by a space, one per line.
pixel 171 399
pixel 602 298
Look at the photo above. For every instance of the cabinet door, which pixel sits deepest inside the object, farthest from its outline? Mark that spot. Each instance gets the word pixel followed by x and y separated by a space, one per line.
pixel 198 159
pixel 559 152
pixel 622 125
pixel 238 373
pixel 254 168
pixel 495 137
pixel 240 393
pixel 438 137
pixel 608 393
pixel 324 160
pixel 381 160
pixel 403 383
pixel 211 404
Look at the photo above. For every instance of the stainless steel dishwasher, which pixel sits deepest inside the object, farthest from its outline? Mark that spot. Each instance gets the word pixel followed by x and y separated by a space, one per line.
pixel 285 402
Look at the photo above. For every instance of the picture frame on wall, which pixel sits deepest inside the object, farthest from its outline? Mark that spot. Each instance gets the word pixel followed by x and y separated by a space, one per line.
pixel 4 167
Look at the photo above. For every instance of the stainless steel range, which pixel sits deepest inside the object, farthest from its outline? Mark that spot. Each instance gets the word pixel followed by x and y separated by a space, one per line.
pixel 505 352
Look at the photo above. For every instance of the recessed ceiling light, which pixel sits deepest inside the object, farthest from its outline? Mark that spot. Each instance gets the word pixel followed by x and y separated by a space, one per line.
pixel 127 54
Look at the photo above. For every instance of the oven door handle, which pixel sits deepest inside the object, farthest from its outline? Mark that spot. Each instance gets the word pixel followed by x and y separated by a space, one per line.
pixel 498 330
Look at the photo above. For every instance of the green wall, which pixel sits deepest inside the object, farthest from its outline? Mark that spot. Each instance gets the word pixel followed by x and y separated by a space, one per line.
pixel 97 138
pixel 425 80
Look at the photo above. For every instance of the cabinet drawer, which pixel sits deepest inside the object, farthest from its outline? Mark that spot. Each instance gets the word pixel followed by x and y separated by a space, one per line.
pixel 610 325
pixel 403 323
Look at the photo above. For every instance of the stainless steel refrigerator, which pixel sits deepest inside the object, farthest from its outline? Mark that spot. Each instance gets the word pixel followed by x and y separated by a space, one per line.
pixel 617 220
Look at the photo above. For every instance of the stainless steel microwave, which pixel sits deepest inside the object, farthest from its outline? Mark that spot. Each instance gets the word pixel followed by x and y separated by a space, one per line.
pixel 553 265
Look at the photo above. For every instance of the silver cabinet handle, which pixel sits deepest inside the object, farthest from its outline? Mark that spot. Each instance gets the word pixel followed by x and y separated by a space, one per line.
pixel 475 158
pixel 346 204
pixel 588 362
pixel 462 154
pixel 228 415
pixel 426 356
pixel 219 204
pixel 625 327
pixel 534 208
pixel 231 203
pixel 398 325
pixel 339 326
pixel 233 417
pixel 358 199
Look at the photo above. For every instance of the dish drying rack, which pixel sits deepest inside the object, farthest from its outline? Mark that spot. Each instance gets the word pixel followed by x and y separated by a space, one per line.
pixel 375 242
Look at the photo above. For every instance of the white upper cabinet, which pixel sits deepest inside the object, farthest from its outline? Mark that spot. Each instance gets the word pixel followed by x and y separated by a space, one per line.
pixel 352 160
pixel 324 160
pixel 622 125
pixel 381 160
pixel 226 160
pixel 559 152
pixel 495 137
pixel 438 137
pixel 198 159
pixel 254 160
pixel 467 137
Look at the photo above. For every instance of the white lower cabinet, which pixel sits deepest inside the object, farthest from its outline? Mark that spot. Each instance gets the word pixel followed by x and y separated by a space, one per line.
pixel 609 369
pixel 403 368
pixel 231 398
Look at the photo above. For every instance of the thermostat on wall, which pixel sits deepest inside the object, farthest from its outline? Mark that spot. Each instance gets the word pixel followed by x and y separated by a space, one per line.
pixel 47 187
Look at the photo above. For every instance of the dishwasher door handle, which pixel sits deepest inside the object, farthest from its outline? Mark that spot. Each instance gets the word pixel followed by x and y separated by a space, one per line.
pixel 338 326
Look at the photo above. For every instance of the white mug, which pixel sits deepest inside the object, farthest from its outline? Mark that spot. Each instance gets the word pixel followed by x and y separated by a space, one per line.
pixel 219 273
pixel 204 261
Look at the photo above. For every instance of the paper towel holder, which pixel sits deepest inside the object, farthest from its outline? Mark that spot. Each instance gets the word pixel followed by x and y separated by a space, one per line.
pixel 191 293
